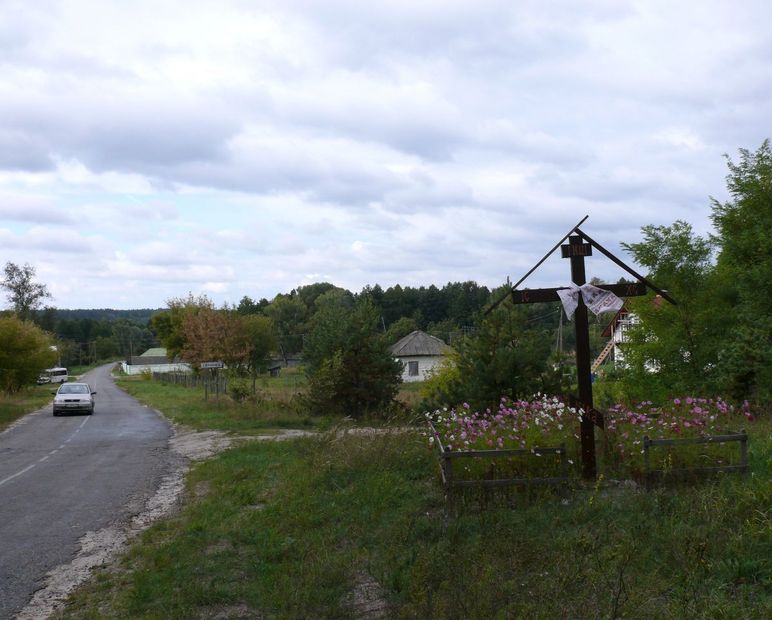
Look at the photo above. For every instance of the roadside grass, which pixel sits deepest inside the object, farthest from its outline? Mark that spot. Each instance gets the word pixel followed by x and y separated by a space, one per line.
pixel 333 525
pixel 275 408
pixel 277 404
pixel 14 406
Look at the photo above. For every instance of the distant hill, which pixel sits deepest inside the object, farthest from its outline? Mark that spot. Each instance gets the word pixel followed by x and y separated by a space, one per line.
pixel 141 316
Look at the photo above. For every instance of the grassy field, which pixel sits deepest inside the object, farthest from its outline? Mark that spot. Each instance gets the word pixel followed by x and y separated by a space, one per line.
pixel 346 526
pixel 14 406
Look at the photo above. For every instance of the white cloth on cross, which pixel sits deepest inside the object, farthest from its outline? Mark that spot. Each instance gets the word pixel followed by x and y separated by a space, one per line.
pixel 596 299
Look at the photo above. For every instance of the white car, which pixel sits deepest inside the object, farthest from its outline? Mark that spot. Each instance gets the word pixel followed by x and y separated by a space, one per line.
pixel 74 398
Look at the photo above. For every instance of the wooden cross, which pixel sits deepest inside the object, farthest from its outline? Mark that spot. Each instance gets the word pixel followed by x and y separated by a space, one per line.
pixel 579 246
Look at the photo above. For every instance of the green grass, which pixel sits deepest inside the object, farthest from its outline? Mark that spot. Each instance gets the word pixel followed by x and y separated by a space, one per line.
pixel 275 408
pixel 14 406
pixel 287 530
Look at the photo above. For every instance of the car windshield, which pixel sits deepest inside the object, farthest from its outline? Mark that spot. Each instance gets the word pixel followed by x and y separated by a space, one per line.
pixel 74 388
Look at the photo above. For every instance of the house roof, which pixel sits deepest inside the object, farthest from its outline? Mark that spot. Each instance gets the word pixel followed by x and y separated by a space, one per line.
pixel 419 343
pixel 157 352
pixel 152 357
pixel 609 329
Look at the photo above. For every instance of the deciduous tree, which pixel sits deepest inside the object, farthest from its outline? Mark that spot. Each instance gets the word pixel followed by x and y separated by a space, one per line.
pixel 675 347
pixel 25 351
pixel 215 335
pixel 24 294
pixel 261 338
pixel 168 324
pixel 744 236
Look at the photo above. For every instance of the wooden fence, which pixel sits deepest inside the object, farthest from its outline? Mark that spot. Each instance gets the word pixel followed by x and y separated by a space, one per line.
pixel 684 472
pixel 212 384
pixel 453 484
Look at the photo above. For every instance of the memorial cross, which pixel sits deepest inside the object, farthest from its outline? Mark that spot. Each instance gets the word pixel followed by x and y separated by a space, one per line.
pixel 580 246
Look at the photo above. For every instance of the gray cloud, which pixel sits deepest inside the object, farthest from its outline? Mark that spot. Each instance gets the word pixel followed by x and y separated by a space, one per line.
pixel 237 149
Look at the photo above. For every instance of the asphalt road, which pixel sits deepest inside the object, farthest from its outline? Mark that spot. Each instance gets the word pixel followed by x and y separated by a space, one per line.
pixel 61 477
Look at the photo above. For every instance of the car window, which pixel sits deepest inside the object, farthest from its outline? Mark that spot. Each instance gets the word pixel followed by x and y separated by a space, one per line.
pixel 74 389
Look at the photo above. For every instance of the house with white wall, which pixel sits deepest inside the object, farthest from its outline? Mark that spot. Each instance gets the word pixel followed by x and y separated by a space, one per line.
pixel 420 354
pixel 153 360
pixel 617 333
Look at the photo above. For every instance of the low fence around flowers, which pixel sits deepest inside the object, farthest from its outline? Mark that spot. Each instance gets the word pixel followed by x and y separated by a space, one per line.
pixel 490 448
pixel 684 472
pixel 487 472
pixel 690 437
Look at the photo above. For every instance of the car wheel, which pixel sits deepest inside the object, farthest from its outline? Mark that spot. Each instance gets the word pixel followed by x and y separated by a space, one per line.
pixel 56 413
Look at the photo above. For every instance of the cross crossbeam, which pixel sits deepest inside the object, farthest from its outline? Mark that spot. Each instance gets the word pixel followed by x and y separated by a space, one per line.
pixel 542 295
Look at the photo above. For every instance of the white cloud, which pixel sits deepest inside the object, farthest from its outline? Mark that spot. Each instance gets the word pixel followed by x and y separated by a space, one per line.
pixel 245 148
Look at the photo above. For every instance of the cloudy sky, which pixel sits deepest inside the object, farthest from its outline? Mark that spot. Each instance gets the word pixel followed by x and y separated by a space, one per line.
pixel 153 148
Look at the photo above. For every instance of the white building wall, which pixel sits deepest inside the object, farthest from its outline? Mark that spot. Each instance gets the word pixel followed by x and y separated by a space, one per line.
pixel 426 364
pixel 620 337
pixel 138 369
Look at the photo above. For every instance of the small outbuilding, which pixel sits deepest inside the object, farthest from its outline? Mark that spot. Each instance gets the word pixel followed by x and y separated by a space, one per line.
pixel 420 353
pixel 153 360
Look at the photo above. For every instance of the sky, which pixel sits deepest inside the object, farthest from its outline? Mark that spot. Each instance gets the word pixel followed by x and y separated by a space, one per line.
pixel 151 149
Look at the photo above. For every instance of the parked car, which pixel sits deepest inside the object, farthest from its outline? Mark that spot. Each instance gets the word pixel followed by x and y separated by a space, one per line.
pixel 74 398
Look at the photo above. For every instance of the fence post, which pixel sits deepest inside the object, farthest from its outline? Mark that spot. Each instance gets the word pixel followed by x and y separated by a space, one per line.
pixel 744 448
pixel 564 459
pixel 447 467
pixel 646 444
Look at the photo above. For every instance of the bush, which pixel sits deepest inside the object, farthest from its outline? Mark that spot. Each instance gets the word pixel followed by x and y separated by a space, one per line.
pixel 239 390
pixel 442 386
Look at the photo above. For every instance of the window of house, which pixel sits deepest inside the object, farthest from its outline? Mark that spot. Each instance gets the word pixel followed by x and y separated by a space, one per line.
pixel 412 369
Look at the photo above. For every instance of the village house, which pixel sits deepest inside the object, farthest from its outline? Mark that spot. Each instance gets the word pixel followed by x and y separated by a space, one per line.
pixel 153 360
pixel 420 353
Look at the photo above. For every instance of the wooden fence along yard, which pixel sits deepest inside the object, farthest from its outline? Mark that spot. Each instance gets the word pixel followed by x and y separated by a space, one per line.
pixel 212 384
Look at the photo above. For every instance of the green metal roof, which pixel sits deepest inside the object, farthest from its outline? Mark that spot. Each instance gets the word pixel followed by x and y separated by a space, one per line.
pixel 157 352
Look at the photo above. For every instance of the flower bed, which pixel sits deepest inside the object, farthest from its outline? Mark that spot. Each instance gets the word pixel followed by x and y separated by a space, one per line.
pixel 680 418
pixel 522 442
pixel 516 424
pixel 548 421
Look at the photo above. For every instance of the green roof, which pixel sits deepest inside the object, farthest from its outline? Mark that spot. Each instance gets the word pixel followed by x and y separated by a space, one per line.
pixel 158 352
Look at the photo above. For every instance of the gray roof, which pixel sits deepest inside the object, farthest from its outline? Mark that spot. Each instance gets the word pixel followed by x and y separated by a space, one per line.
pixel 147 360
pixel 419 343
